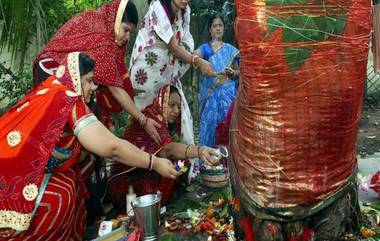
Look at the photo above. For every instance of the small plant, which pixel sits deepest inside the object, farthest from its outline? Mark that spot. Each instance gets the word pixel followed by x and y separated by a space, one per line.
pixel 13 86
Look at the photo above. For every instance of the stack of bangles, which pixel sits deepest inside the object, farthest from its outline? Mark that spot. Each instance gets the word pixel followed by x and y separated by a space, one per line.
pixel 187 149
pixel 151 162
pixel 142 119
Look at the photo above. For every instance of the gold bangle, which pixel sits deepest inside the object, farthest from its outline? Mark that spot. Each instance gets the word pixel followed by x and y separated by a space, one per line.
pixel 187 148
pixel 151 167
pixel 150 162
pixel 145 122
pixel 193 58
pixel 141 119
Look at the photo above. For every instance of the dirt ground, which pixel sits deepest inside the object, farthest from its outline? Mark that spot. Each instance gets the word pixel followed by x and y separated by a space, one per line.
pixel 369 131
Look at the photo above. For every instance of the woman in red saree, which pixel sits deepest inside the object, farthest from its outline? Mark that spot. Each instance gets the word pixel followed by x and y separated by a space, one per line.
pixel 165 109
pixel 103 35
pixel 41 191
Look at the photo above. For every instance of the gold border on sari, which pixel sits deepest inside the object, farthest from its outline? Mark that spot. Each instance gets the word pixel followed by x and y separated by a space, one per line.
pixel 15 220
pixel 119 15
pixel 73 64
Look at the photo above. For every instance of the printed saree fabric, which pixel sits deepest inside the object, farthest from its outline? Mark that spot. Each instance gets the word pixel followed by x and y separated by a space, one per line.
pixel 36 141
pixel 143 181
pixel 152 64
pixel 93 33
pixel 28 133
pixel 215 98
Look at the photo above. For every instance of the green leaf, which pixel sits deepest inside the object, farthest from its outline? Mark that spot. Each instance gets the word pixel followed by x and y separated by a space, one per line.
pixel 191 188
pixel 224 211
pixel 284 2
pixel 184 204
pixel 168 237
pixel 274 23
pixel 296 56
pixel 221 193
pixel 302 28
pixel 375 205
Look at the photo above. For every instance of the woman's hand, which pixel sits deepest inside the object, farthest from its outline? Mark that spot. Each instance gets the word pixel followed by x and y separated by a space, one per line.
pixel 204 66
pixel 231 73
pixel 7 232
pixel 150 128
pixel 165 168
pixel 208 155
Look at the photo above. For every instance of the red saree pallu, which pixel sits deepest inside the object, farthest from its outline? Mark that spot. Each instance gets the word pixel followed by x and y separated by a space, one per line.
pixel 61 214
pixel 143 181
pixel 107 104
pixel 25 135
pixel 41 191
pixel 33 137
pixel 295 122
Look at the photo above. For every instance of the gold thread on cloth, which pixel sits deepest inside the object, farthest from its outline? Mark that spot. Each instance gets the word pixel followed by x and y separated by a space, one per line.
pixel 83 122
pixel 22 106
pixel 14 138
pixel 165 104
pixel 43 91
pixel 73 63
pixel 30 192
pixel 15 220
pixel 119 15
pixel 60 71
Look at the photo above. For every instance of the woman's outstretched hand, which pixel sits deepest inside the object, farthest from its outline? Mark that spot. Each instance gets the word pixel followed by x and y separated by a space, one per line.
pixel 151 128
pixel 231 73
pixel 208 155
pixel 205 67
pixel 165 168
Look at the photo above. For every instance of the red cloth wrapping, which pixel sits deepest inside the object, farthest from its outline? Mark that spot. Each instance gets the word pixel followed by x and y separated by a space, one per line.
pixel 92 33
pixel 295 121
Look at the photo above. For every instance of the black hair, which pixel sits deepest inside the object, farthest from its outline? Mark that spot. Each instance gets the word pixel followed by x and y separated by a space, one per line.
pixel 168 4
pixel 171 126
pixel 130 14
pixel 86 64
pixel 212 18
pixel 173 89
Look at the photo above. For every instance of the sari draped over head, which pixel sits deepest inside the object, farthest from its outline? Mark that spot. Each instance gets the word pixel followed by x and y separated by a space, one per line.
pixel 143 181
pixel 93 33
pixel 29 134
pixel 215 96
pixel 153 66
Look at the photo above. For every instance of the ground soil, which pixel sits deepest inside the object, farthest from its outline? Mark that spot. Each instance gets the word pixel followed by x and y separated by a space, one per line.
pixel 369 131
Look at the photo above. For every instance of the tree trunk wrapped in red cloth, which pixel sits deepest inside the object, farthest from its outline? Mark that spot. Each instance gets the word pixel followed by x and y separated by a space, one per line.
pixel 295 122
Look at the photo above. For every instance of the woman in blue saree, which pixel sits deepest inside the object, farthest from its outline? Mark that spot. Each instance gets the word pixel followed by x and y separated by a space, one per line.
pixel 216 93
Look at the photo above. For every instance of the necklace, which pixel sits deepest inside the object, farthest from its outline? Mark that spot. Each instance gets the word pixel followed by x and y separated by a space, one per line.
pixel 216 45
